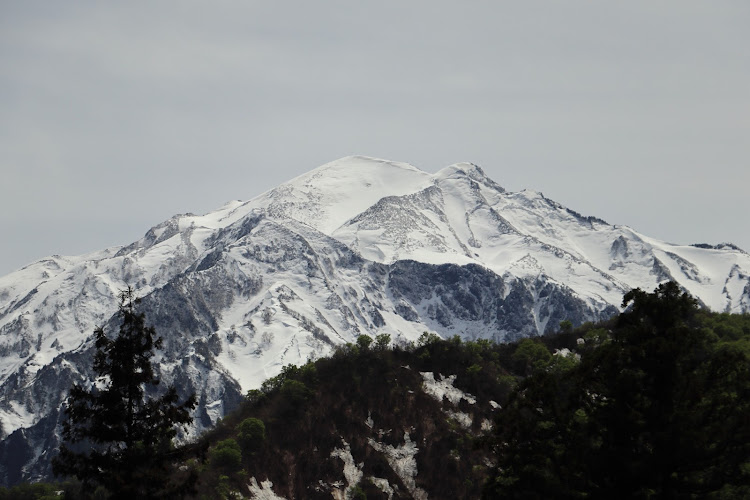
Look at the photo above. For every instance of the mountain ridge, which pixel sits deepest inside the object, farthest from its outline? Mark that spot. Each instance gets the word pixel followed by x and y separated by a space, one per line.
pixel 358 245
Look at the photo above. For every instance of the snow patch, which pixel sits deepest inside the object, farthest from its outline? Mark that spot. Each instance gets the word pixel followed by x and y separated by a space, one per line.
pixel 16 416
pixel 403 462
pixel 352 472
pixel 264 491
pixel 567 353
pixel 383 485
pixel 464 419
pixel 443 388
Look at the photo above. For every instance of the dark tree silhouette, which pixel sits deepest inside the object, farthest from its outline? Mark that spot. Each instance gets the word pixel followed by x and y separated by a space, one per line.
pixel 658 407
pixel 114 435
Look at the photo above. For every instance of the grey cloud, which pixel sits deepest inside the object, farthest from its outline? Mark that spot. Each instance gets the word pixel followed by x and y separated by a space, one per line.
pixel 635 112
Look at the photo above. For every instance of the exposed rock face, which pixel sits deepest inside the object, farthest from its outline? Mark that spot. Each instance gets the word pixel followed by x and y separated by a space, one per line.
pixel 355 246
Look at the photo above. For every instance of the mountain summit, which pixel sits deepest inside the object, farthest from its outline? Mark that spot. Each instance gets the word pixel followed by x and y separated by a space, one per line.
pixel 358 245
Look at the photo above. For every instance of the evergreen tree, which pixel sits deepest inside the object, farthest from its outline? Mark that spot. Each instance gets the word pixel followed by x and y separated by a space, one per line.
pixel 115 436
pixel 658 409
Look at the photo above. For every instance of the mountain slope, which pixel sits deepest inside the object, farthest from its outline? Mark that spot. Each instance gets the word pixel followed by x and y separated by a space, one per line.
pixel 355 246
pixel 401 423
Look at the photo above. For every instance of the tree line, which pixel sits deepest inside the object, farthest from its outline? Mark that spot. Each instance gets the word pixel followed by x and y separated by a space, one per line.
pixel 657 406
pixel 651 404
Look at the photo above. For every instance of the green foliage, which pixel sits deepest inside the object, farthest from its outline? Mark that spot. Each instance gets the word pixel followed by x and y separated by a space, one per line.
pixel 474 370
pixel 271 385
pixel 125 436
pixel 566 326
pixel 296 392
pixel 428 338
pixel 293 384
pixel 507 382
pixel 251 435
pixel 308 373
pixel 226 456
pixel 658 408
pixel 363 342
pixel 255 396
pixel 596 337
pixel 382 341
pixel 35 491
pixel 531 355
pixel 561 364
pixel 474 350
pixel 357 493
pixel 225 489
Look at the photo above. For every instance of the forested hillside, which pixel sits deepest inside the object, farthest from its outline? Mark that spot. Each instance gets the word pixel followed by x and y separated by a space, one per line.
pixel 654 405
pixel 651 404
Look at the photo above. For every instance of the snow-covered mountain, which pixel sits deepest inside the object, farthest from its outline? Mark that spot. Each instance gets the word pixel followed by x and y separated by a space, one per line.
pixel 355 246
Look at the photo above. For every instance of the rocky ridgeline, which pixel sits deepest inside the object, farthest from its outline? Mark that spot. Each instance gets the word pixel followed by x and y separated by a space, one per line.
pixel 355 246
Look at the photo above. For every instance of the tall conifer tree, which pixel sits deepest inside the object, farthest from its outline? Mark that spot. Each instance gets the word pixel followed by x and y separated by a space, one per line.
pixel 114 435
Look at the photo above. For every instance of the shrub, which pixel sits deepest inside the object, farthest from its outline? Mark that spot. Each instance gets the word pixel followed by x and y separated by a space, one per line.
pixel 357 493
pixel 255 396
pixel 363 342
pixel 382 341
pixel 531 355
pixel 428 338
pixel 226 455
pixel 296 392
pixel 252 434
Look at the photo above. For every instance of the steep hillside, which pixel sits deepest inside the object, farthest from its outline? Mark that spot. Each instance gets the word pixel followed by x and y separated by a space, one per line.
pixel 401 423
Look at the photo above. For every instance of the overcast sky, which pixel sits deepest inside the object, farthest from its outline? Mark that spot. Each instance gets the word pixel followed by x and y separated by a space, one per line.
pixel 117 115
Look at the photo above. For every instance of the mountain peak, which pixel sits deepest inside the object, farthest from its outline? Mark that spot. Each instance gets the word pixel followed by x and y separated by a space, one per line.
pixel 360 162
pixel 468 170
pixel 465 167
pixel 358 245
pixel 328 196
